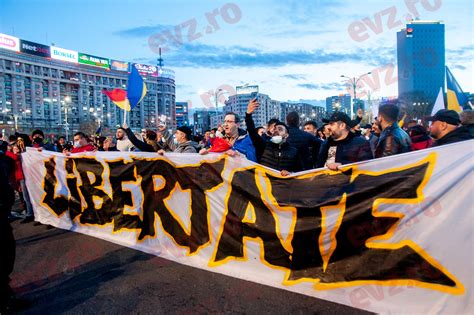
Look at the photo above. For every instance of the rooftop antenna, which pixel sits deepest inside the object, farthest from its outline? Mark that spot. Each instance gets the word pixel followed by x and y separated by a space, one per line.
pixel 160 60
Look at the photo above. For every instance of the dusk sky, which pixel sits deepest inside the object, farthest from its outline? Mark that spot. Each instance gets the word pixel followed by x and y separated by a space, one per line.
pixel 292 49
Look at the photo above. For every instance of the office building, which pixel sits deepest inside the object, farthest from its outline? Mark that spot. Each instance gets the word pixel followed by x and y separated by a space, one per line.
pixel 60 90
pixel 421 62
pixel 182 118
pixel 341 103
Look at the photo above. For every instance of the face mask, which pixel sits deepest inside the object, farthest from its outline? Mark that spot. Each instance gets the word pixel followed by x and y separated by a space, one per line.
pixel 277 139
pixel 37 140
pixel 77 144
pixel 175 141
pixel 219 134
pixel 211 135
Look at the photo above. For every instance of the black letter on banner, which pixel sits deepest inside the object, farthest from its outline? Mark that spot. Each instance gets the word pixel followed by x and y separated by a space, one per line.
pixel 122 172
pixel 379 263
pixel 61 204
pixel 198 179
pixel 92 215
pixel 244 193
pixel 308 195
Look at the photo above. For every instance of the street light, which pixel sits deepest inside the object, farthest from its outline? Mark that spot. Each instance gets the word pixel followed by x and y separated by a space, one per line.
pixel 67 100
pixel 354 82
pixel 216 95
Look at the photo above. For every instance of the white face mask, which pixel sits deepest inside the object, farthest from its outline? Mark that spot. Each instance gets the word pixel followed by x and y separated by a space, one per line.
pixel 77 144
pixel 277 139
pixel 175 141
pixel 219 134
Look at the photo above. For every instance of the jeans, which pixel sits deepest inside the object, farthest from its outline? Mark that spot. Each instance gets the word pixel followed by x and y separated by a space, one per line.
pixel 26 197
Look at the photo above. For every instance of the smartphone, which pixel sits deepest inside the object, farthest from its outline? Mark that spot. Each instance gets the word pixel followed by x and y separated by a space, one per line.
pixel 254 95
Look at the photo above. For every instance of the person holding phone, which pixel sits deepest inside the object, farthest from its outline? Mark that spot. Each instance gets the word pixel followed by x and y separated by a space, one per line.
pixel 276 152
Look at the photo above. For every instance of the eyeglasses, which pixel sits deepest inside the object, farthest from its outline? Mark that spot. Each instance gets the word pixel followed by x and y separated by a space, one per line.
pixel 229 121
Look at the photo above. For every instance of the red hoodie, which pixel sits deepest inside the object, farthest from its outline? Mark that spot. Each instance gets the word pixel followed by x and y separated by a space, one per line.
pixel 18 168
pixel 87 148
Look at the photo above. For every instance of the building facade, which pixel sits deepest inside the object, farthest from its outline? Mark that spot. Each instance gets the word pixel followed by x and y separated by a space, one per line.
pixel 182 118
pixel 421 61
pixel 238 104
pixel 60 91
pixel 306 111
pixel 339 103
pixel 202 120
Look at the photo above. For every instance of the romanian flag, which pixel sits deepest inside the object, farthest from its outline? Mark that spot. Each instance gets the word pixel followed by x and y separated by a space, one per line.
pixel 455 95
pixel 135 93
pixel 119 97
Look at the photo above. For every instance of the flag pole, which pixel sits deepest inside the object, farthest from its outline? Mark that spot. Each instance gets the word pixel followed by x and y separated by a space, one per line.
pixel 124 117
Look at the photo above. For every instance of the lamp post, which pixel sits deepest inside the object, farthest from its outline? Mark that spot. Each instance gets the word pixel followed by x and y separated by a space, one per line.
pixel 216 96
pixel 354 82
pixel 67 100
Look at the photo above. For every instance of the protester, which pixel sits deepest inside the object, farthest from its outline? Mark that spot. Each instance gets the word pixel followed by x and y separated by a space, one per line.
pixel 376 128
pixel 342 147
pixel 366 132
pixel 393 139
pixel 324 132
pixel 19 182
pixel 123 143
pixel 277 153
pixel 62 144
pixel 419 138
pixel 80 144
pixel 444 128
pixel 311 127
pixel 149 143
pixel 184 142
pixel 467 120
pixel 36 140
pixel 205 142
pixel 269 130
pixel 237 138
pixel 302 141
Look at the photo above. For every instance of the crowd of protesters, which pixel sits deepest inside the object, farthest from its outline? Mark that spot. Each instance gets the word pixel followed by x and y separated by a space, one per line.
pixel 279 145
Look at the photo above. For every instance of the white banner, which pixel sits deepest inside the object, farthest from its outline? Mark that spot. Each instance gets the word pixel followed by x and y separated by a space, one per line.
pixel 393 235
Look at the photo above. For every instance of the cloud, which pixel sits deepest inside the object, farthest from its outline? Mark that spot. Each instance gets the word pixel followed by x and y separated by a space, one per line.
pixel 142 31
pixel 460 67
pixel 309 86
pixel 208 56
pixel 302 12
pixel 294 76
pixel 322 86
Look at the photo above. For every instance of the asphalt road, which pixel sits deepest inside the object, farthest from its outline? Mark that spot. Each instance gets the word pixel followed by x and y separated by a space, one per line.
pixel 65 272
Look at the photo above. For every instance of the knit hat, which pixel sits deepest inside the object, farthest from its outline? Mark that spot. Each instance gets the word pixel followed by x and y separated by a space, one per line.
pixel 186 130
pixel 37 132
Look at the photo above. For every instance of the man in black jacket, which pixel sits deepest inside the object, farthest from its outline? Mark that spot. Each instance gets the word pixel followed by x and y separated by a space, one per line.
pixel 342 147
pixel 277 153
pixel 301 140
pixel 393 139
pixel 444 128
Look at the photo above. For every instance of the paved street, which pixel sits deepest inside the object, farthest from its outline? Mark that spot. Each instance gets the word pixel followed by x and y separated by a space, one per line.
pixel 66 272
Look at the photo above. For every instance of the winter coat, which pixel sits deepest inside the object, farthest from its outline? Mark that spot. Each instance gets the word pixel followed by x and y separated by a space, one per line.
pixel 457 135
pixel 304 142
pixel 351 149
pixel 277 156
pixel 393 140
